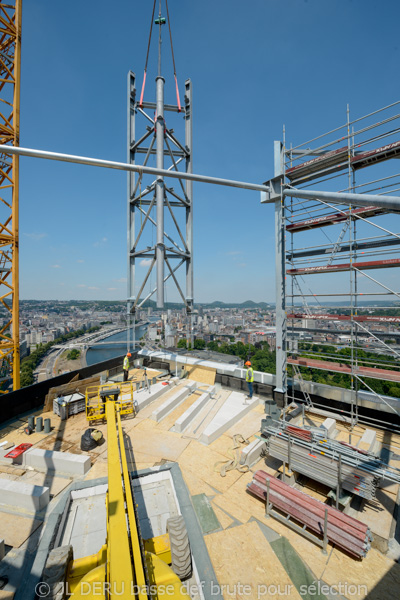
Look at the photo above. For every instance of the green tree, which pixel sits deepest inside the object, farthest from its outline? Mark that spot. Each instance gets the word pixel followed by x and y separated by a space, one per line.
pixel 199 344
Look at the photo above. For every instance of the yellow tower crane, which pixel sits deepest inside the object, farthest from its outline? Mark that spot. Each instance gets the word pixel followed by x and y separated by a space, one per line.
pixel 10 66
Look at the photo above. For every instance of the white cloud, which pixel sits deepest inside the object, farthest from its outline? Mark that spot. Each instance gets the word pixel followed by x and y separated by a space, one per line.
pixel 91 287
pixel 62 284
pixel 35 236
pixel 234 253
pixel 103 240
pixel 111 289
pixel 241 265
pixel 81 285
pixel 80 260
pixel 145 262
pixel 56 266
pixel 121 280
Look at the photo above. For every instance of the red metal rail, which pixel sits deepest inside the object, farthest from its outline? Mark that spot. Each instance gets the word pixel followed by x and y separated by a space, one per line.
pixel 342 530
pixel 359 318
pixel 338 268
pixel 332 159
pixel 325 365
pixel 336 160
pixel 332 219
pixel 359 161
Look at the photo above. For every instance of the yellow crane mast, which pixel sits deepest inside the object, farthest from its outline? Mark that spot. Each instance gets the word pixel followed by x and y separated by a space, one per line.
pixel 10 65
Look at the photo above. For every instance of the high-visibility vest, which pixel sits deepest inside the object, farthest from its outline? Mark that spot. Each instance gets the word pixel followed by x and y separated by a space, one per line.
pixel 126 363
pixel 250 375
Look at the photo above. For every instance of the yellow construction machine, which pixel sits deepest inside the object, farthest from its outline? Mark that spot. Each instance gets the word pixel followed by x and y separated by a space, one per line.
pixel 128 566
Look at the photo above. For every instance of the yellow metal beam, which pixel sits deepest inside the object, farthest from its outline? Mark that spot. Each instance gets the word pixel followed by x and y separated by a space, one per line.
pixel 10 69
pixel 119 563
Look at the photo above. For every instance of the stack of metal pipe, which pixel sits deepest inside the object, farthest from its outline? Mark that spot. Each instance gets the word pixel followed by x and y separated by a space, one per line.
pixel 342 530
pixel 330 462
pixel 323 469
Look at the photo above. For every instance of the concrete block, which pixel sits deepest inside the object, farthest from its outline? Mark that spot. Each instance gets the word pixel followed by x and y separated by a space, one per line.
pixel 165 408
pixel 251 453
pixel 235 407
pixel 188 416
pixel 62 462
pixel 368 440
pixel 2 549
pixel 330 426
pixel 144 397
pixel 23 495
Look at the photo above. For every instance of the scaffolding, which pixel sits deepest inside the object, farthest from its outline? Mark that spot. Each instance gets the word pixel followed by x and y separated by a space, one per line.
pixel 339 288
pixel 10 62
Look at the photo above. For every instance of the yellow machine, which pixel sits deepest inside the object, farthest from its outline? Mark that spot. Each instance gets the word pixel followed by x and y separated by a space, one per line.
pixel 95 400
pixel 127 566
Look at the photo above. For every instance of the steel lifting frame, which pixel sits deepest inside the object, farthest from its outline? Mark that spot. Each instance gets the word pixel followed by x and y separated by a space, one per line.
pixel 160 141
pixel 10 66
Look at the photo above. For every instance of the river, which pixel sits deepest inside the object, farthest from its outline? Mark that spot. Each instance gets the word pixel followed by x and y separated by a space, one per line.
pixel 97 354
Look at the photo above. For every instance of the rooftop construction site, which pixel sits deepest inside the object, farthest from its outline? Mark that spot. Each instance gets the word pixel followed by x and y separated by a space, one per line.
pixel 199 469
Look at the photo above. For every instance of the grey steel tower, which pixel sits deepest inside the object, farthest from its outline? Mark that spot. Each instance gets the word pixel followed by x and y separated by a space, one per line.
pixel 160 218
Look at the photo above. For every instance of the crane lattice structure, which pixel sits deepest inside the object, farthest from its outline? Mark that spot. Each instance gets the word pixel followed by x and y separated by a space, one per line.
pixel 160 218
pixel 10 61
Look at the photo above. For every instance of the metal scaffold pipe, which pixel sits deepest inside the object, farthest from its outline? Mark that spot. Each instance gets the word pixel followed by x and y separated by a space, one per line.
pixel 389 202
pixel 120 166
pixel 160 191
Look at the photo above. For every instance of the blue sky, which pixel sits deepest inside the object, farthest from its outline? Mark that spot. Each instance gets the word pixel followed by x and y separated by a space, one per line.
pixel 254 66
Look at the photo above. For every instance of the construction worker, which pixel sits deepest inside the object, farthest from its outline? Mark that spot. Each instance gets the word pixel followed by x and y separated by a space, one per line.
pixel 249 378
pixel 126 366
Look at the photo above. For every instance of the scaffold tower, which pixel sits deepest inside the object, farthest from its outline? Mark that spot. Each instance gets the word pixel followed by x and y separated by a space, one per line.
pixel 338 294
pixel 10 61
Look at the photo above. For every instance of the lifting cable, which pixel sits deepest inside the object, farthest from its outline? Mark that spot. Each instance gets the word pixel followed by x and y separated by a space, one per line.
pixel 173 59
pixel 147 56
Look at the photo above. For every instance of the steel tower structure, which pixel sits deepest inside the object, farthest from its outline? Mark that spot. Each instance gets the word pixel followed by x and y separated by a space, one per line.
pixel 10 62
pixel 154 206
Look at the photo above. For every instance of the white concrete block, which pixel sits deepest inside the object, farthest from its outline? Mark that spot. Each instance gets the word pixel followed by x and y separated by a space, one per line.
pixel 252 452
pixel 369 438
pixel 144 397
pixel 236 406
pixel 330 426
pixel 23 495
pixel 63 462
pixel 2 549
pixel 169 405
pixel 188 416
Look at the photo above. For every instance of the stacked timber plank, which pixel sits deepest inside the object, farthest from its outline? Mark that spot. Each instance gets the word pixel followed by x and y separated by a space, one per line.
pixel 342 530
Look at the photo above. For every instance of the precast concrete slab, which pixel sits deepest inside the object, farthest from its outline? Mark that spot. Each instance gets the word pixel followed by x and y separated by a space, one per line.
pixel 23 495
pixel 61 462
pixel 144 397
pixel 252 452
pixel 184 420
pixel 169 405
pixel 235 407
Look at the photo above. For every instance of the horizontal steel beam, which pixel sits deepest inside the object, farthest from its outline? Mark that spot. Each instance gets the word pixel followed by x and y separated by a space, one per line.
pixel 109 164
pixel 389 202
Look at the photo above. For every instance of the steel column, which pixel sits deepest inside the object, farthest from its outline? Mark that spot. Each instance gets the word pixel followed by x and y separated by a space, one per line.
pixel 189 208
pixel 280 253
pixel 160 249
pixel 131 210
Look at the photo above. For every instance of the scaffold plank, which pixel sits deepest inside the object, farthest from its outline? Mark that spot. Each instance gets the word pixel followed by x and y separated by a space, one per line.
pixel 338 268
